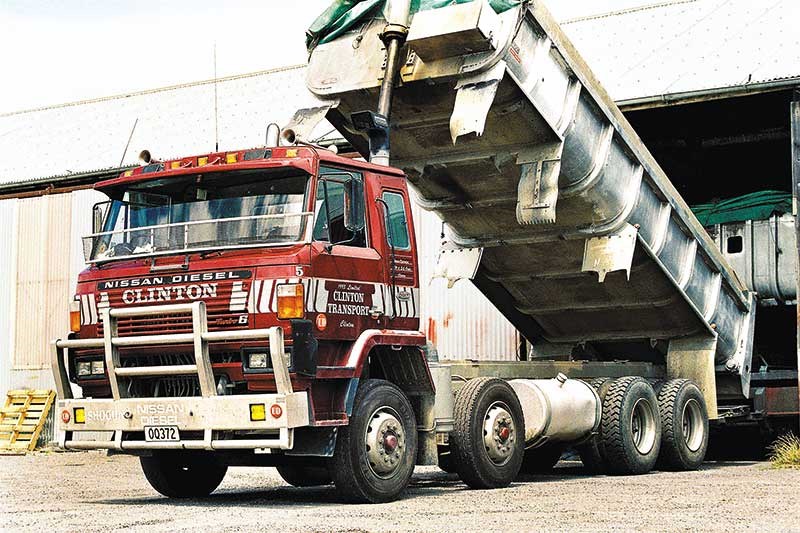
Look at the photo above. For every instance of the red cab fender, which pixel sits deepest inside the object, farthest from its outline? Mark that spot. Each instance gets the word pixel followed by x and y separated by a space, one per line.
pixel 384 344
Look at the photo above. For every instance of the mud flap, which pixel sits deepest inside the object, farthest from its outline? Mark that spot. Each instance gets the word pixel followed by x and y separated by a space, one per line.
pixel 693 358
pixel 610 253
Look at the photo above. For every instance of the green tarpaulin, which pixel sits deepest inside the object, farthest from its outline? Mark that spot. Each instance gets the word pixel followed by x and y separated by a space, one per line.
pixel 755 206
pixel 342 15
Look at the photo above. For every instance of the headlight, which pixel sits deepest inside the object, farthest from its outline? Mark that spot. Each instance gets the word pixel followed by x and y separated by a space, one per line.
pixel 257 360
pixel 84 368
pixel 98 368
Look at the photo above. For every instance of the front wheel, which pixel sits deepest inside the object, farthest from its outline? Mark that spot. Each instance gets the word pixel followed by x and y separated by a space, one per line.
pixel 375 454
pixel 488 441
pixel 180 474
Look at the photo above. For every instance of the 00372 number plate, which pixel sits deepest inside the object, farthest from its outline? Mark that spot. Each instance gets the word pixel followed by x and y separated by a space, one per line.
pixel 161 434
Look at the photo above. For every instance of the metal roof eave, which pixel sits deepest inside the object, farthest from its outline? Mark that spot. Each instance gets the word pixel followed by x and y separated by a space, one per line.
pixel 58 184
pixel 704 95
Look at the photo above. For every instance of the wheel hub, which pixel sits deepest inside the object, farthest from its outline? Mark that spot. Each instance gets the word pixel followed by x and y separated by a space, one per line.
pixel 499 433
pixel 692 425
pixel 385 442
pixel 643 426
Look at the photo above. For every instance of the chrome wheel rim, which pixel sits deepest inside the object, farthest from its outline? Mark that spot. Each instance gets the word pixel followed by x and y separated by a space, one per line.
pixel 643 426
pixel 385 442
pixel 692 425
pixel 499 433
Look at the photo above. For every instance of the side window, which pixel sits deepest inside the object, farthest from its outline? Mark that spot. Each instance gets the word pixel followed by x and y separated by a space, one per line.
pixel 332 200
pixel 397 223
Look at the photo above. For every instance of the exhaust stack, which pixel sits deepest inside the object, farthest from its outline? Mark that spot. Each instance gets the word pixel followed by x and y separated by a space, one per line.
pixel 273 135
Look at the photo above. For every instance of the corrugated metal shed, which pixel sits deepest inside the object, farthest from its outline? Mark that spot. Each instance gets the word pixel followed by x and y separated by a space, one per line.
pixel 687 46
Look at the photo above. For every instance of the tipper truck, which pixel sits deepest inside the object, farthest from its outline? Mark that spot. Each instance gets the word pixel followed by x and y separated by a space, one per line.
pixel 261 307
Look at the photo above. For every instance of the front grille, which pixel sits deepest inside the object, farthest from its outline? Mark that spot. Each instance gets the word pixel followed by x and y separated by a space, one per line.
pixel 178 323
pixel 163 387
pixel 166 386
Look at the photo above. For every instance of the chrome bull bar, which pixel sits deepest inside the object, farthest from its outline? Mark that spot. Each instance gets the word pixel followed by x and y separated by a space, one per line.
pixel 219 412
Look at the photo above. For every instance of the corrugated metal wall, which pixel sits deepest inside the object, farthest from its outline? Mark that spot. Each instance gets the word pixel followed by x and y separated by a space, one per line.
pixel 42 285
pixel 8 263
pixel 39 264
pixel 460 321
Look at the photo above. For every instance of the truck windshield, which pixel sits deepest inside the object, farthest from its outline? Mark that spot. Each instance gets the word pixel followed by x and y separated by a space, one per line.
pixel 210 211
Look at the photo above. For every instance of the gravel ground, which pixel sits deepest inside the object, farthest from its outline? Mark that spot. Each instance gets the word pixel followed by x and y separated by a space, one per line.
pixel 83 491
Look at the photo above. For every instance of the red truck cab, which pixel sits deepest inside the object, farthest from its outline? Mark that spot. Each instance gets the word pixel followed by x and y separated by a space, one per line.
pixel 298 240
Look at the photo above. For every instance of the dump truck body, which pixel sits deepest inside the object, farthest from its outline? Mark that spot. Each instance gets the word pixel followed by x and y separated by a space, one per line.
pixel 525 157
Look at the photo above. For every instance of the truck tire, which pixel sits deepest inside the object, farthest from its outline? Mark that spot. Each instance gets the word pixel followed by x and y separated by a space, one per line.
pixel 488 441
pixel 375 454
pixel 589 451
pixel 684 422
pixel 305 476
pixel 180 474
pixel 541 460
pixel 630 429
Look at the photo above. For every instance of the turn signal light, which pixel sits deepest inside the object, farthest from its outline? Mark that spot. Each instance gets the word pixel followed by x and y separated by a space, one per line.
pixel 258 412
pixel 75 316
pixel 290 301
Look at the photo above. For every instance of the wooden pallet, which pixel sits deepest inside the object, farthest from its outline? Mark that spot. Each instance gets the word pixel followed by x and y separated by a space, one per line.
pixel 23 417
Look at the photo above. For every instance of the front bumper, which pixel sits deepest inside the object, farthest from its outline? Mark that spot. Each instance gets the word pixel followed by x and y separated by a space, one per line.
pixel 216 423
pixel 205 422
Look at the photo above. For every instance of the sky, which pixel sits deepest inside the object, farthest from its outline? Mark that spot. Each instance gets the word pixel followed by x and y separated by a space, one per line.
pixel 55 52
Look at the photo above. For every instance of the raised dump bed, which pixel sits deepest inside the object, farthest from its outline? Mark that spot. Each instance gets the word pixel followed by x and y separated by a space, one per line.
pixel 507 135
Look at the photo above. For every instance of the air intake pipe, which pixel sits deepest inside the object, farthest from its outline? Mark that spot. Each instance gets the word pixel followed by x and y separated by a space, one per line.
pixel 376 124
pixel 397 14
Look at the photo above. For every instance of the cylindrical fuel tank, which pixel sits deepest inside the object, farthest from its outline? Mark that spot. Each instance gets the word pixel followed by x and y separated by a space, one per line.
pixel 558 409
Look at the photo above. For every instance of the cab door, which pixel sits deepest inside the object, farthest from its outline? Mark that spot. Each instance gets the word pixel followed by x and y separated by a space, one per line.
pixel 346 267
pixel 401 291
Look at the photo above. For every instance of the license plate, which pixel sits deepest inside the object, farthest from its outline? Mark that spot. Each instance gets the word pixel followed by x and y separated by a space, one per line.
pixel 161 434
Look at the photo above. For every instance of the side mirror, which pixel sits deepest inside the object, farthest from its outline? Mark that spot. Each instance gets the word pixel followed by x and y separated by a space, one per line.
pixel 354 220
pixel 98 216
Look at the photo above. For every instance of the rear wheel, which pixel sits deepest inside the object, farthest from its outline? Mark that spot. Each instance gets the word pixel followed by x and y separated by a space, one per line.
pixel 180 474
pixel 541 460
pixel 684 419
pixel 630 430
pixel 375 454
pixel 488 440
pixel 590 452
pixel 305 476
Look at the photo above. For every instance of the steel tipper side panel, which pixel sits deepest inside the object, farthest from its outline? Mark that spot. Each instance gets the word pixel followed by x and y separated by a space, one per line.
pixel 523 154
